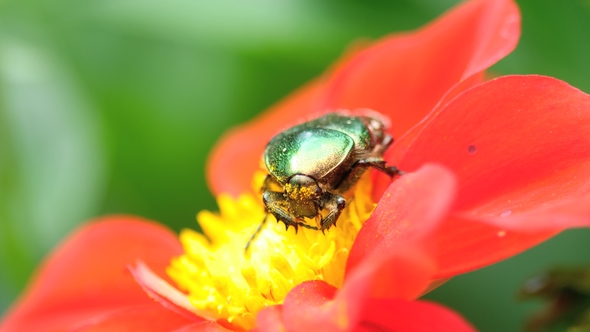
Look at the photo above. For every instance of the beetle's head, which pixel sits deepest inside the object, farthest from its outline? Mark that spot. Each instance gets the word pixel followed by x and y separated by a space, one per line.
pixel 303 193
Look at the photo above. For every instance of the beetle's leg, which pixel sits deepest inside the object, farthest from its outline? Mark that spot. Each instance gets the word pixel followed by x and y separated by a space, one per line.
pixel 335 204
pixel 318 220
pixel 378 164
pixel 359 168
pixel 269 183
pixel 275 203
pixel 385 143
pixel 253 236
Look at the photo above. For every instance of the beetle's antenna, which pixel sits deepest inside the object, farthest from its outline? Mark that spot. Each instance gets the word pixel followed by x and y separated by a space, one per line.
pixel 253 236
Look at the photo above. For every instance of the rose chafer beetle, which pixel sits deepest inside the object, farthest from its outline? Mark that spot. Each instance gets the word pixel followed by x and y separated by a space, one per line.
pixel 311 165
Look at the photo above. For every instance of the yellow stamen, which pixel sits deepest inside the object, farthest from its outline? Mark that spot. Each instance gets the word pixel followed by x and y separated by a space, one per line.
pixel 232 285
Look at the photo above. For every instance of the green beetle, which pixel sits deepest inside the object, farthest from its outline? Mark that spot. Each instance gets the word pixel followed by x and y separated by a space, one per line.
pixel 312 165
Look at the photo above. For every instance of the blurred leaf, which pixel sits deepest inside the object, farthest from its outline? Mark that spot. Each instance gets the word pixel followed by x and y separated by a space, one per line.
pixel 52 159
pixel 306 31
pixel 566 291
pixel 554 41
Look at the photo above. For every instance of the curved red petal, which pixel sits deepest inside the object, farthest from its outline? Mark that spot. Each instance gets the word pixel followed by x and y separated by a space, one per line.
pixel 400 315
pixel 311 306
pixel 393 155
pixel 86 277
pixel 164 293
pixel 405 76
pixel 205 326
pixel 520 147
pixel 409 210
pixel 464 245
pixel 147 318
pixel 516 142
pixel 316 305
pixel 404 273
pixel 568 212
pixel 270 319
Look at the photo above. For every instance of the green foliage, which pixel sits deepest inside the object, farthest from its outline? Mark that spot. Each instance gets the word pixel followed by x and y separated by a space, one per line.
pixel 566 291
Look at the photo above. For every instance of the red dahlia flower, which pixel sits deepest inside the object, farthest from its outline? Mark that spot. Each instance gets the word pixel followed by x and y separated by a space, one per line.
pixel 493 168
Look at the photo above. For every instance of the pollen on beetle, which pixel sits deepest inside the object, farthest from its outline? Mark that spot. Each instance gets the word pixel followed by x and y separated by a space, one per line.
pixel 232 285
pixel 299 192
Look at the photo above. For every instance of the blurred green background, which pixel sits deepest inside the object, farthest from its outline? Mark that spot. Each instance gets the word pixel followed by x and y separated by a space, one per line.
pixel 112 107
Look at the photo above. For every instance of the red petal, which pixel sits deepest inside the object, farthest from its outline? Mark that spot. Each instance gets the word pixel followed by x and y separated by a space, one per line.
pixel 316 305
pixel 167 295
pixel 408 211
pixel 520 146
pixel 404 274
pixel 310 307
pixel 205 326
pixel 151 317
pixel 465 245
pixel 403 76
pixel 270 320
pixel 568 212
pixel 86 278
pixel 400 315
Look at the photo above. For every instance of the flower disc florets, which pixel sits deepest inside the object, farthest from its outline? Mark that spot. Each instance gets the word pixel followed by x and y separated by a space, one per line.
pixel 231 284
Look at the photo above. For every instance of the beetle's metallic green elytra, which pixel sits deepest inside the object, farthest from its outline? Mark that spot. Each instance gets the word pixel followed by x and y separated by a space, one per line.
pixel 311 165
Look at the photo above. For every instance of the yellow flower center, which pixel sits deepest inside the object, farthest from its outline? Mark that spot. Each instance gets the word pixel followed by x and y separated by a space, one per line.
pixel 225 281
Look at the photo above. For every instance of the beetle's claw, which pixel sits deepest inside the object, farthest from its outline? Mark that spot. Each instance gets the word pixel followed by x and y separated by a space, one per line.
pixel 396 171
